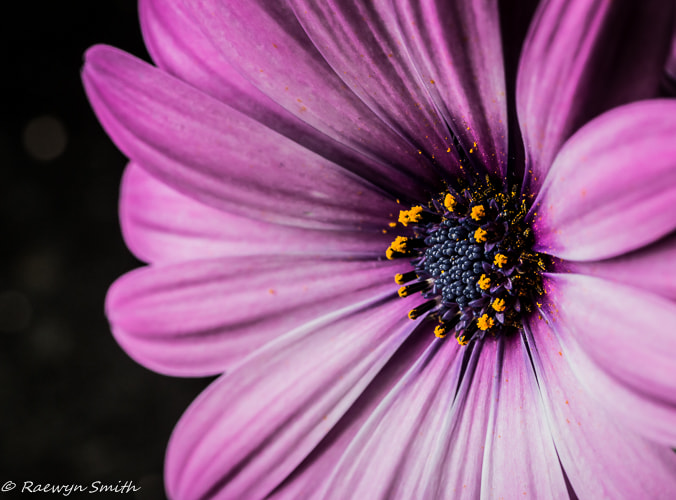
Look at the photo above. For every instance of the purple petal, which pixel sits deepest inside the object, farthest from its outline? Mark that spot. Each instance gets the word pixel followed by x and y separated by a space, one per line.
pixel 362 45
pixel 424 441
pixel 161 225
pixel 620 342
pixel 612 187
pixel 200 318
pixel 264 42
pixel 312 475
pixel 456 48
pixel 177 44
pixel 581 58
pixel 652 268
pixel 222 158
pixel 519 455
pixel 601 458
pixel 403 441
pixel 253 426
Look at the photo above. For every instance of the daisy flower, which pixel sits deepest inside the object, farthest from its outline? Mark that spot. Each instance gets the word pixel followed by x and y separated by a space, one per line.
pixel 428 246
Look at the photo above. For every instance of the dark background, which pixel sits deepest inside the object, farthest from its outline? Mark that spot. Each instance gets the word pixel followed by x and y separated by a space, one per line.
pixel 74 408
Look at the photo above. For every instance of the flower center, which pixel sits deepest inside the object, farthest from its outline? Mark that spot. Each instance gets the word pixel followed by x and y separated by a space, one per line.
pixel 472 258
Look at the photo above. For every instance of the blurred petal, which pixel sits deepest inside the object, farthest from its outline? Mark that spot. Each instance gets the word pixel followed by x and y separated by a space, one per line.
pixel 601 458
pixel 218 156
pixel 363 46
pixel 581 58
pixel 201 317
pixel 457 51
pixel 265 43
pixel 612 187
pixel 177 44
pixel 652 268
pixel 161 225
pixel 621 343
pixel 518 428
pixel 253 426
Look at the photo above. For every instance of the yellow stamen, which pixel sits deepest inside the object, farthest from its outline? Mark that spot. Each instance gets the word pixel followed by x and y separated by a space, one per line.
pixel 484 322
pixel 500 260
pixel 480 235
pixel 410 216
pixel 403 291
pixel 389 253
pixel 440 331
pixel 393 224
pixel 399 279
pixel 462 341
pixel 399 244
pixel 478 212
pixel 498 305
pixel 449 202
pixel 484 282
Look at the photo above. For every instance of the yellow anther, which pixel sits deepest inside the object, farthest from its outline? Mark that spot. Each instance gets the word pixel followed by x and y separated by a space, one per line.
pixel 478 212
pixel 449 202
pixel 410 216
pixel 480 235
pixel 484 322
pixel 389 253
pixel 403 291
pixel 500 260
pixel 393 224
pixel 498 305
pixel 462 341
pixel 399 279
pixel 399 244
pixel 440 331
pixel 484 282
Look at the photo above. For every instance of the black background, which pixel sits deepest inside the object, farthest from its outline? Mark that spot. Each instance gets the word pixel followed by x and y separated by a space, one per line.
pixel 74 408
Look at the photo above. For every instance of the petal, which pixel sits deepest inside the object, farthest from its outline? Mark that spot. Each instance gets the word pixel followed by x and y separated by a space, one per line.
pixel 363 45
pixel 423 441
pixel 161 225
pixel 621 340
pixel 601 458
pixel 220 157
pixel 253 426
pixel 265 43
pixel 312 475
pixel 519 456
pixel 613 185
pixel 581 58
pixel 200 318
pixel 177 44
pixel 458 46
pixel 652 268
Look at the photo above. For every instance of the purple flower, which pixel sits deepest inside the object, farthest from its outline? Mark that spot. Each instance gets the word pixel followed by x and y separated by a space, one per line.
pixel 272 150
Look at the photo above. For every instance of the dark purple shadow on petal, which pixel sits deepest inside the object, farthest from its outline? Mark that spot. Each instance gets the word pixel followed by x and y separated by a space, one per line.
pixel 515 18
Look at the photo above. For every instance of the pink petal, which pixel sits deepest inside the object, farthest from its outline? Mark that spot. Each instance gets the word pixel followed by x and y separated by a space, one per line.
pixel 601 458
pixel 652 268
pixel 456 48
pixel 253 426
pixel 264 42
pixel 220 157
pixel 620 342
pixel 312 475
pixel 200 318
pixel 161 225
pixel 519 454
pixel 178 45
pixel 581 58
pixel 612 187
